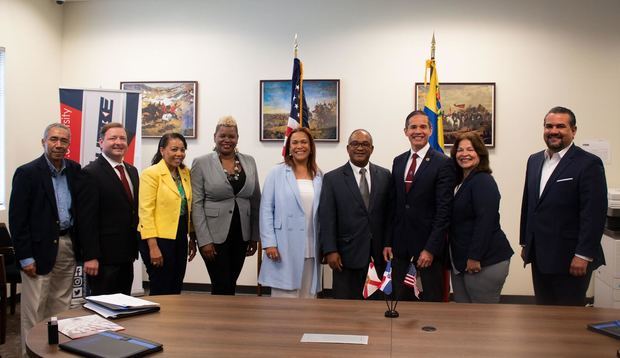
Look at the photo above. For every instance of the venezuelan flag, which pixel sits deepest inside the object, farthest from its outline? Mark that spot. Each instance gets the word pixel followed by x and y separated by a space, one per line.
pixel 432 108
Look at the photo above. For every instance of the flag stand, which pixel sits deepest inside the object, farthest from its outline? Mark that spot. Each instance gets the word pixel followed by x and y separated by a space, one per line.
pixel 391 313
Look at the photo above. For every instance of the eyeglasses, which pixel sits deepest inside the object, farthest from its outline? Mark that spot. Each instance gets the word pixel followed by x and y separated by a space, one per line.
pixel 364 145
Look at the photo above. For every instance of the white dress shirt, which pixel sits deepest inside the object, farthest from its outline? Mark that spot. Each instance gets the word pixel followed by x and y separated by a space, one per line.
pixel 114 163
pixel 421 154
pixel 358 176
pixel 551 162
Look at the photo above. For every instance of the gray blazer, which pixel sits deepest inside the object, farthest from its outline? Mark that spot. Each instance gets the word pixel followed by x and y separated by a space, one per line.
pixel 214 201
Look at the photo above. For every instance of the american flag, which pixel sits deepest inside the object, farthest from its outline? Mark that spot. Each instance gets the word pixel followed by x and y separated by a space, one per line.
pixel 299 108
pixel 411 280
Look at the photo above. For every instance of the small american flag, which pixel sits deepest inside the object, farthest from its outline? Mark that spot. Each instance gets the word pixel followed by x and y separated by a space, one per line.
pixel 411 280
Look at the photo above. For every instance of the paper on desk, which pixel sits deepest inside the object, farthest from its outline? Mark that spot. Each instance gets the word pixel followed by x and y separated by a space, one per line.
pixel 334 338
pixel 83 326
pixel 121 300
pixel 103 311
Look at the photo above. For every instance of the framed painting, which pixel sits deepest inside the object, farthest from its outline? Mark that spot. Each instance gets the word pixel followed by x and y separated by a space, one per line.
pixel 466 107
pixel 322 97
pixel 167 106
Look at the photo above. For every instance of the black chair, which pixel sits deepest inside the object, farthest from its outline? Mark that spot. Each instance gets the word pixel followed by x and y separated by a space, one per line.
pixel 2 301
pixel 13 276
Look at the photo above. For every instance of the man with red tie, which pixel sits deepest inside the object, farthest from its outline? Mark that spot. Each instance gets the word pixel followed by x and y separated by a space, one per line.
pixel 109 210
pixel 424 181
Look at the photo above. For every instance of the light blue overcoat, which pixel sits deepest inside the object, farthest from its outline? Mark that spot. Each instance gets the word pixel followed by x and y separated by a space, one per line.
pixel 283 225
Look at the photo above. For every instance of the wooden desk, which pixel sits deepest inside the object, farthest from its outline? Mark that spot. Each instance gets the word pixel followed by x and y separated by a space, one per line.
pixel 226 326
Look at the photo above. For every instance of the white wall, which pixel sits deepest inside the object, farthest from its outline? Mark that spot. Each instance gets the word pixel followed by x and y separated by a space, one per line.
pixel 540 54
pixel 31 33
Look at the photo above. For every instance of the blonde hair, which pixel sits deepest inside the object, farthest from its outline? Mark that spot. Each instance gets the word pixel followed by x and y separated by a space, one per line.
pixel 226 121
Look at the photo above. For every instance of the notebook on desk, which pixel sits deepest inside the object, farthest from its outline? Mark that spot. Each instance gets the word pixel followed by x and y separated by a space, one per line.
pixel 611 328
pixel 112 345
pixel 119 305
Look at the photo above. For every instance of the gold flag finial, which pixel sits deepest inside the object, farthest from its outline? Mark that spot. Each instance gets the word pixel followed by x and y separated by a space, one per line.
pixel 433 47
pixel 295 45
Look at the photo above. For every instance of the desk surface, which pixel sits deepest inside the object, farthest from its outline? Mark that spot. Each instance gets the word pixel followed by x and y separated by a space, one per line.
pixel 203 325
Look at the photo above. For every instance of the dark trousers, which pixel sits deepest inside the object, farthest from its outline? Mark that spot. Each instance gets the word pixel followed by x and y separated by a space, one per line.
pixel 432 281
pixel 111 279
pixel 168 279
pixel 560 289
pixel 224 270
pixel 349 283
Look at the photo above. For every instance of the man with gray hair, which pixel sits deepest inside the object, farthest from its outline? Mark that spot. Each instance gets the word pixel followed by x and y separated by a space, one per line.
pixel 42 222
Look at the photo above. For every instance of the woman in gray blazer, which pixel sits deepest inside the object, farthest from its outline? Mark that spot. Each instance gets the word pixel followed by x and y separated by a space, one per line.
pixel 226 196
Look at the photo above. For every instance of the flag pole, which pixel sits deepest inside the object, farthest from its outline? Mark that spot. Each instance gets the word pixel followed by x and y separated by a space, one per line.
pixel 433 47
pixel 391 312
pixel 402 287
pixel 301 83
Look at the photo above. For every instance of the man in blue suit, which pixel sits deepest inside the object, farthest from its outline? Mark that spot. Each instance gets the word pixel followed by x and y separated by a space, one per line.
pixel 354 217
pixel 423 180
pixel 563 214
pixel 42 223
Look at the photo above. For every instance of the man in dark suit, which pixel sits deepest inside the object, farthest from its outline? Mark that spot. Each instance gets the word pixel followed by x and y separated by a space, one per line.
pixel 354 214
pixel 563 214
pixel 424 182
pixel 109 213
pixel 42 222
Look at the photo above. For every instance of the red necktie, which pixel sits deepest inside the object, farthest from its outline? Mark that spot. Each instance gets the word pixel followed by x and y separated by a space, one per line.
pixel 121 170
pixel 410 173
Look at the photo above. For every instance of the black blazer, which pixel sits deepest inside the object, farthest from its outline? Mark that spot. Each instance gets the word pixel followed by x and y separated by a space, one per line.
pixel 109 230
pixel 33 214
pixel 475 232
pixel 422 216
pixel 346 226
pixel 569 217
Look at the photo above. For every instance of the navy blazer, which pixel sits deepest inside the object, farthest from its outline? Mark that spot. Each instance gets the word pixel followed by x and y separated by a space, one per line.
pixel 109 230
pixel 33 214
pixel 475 232
pixel 346 226
pixel 422 216
pixel 569 217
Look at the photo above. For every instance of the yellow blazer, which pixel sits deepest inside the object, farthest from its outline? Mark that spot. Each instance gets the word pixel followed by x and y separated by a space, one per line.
pixel 160 202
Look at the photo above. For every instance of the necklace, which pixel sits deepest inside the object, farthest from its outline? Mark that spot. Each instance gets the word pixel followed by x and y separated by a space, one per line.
pixel 234 176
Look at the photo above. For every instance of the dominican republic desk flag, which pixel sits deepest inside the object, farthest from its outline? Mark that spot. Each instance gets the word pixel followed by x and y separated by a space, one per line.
pixel 299 109
pixel 411 280
pixel 386 283
pixel 372 281
pixel 432 107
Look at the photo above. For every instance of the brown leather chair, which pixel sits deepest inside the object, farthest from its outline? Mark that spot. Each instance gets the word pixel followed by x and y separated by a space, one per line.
pixel 13 276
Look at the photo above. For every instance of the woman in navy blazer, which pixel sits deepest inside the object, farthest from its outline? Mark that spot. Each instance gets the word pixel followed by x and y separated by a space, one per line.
pixel 289 222
pixel 479 250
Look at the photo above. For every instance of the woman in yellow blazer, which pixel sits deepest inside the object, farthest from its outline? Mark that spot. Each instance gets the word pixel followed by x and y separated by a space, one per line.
pixel 164 209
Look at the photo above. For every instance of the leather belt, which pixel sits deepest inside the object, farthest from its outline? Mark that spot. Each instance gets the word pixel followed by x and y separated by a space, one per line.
pixel 63 232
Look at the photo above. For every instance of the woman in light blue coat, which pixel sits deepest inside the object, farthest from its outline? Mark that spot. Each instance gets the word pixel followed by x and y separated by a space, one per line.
pixel 289 223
